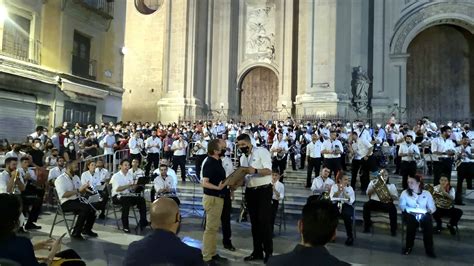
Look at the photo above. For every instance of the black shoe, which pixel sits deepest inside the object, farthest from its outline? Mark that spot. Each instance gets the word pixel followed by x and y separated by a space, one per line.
pixel 452 229
pixel 77 236
pixel 101 216
pixel 431 254
pixel 349 241
pixel 90 233
pixel 126 230
pixel 253 257
pixel 218 258
pixel 229 247
pixel 32 226
pixel 22 230
pixel 267 257
pixel 407 251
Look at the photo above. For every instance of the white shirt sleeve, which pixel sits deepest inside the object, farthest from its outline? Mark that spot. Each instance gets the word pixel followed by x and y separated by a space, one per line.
pixel 265 158
pixel 4 177
pixel 61 186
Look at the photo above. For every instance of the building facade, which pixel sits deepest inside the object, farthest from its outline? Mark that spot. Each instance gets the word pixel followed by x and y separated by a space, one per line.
pixel 60 61
pixel 261 59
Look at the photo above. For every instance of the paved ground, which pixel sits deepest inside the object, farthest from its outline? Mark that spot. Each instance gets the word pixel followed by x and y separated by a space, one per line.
pixel 370 249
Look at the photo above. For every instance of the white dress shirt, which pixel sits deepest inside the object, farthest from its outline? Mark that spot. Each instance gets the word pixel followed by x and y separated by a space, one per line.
pixel 22 173
pixel 150 143
pixel 452 191
pixel 93 179
pixel 136 173
pixel 13 154
pixel 361 148
pixel 331 146
pixel 422 201
pixel 203 149
pixel 4 178
pixel 135 145
pixel 408 149
pixel 348 191
pixel 64 183
pixel 280 188
pixel 55 172
pixel 103 174
pixel 392 189
pixel 441 145
pixel 160 183
pixel 365 134
pixel 171 173
pixel 179 148
pixel 313 149
pixel 283 145
pixel 259 158
pixel 118 180
pixel 110 141
pixel 467 150
pixel 319 185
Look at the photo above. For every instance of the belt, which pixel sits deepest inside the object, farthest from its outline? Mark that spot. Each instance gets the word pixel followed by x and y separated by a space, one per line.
pixel 260 187
pixel 217 196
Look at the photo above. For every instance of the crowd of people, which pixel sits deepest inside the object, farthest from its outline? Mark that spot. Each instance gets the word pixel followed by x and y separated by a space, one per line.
pixel 73 164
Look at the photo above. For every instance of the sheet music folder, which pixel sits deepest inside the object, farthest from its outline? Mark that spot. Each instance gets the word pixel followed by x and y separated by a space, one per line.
pixel 237 177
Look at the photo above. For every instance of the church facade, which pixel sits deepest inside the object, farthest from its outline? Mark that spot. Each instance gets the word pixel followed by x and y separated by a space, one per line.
pixel 263 59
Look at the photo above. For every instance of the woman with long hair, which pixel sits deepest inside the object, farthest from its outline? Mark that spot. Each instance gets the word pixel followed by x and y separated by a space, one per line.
pixel 342 195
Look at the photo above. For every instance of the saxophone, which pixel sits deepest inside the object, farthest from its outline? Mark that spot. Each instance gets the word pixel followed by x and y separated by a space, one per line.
pixel 381 190
pixel 441 201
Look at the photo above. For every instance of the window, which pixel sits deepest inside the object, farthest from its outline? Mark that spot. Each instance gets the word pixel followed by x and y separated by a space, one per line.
pixel 16 36
pixel 79 113
pixel 81 64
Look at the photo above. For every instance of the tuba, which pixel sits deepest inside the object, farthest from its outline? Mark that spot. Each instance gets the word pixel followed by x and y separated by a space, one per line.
pixel 441 201
pixel 381 190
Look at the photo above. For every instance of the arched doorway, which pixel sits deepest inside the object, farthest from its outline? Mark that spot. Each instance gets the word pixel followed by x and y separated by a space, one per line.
pixel 440 74
pixel 259 94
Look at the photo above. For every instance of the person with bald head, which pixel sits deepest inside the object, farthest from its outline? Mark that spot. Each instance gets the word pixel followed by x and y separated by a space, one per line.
pixel 163 246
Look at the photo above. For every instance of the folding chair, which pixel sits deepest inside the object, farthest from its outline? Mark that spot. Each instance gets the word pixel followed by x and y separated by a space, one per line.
pixel 118 208
pixel 281 217
pixel 378 215
pixel 59 211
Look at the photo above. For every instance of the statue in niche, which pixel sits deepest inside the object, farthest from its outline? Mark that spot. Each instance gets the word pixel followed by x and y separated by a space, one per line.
pixel 360 89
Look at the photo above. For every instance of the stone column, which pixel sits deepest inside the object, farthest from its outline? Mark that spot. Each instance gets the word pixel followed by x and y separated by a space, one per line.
pixel 399 91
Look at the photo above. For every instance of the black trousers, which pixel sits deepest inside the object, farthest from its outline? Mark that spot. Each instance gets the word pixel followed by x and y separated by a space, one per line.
pixel 373 205
pixel 442 167
pixel 152 159
pixel 313 163
pixel 334 164
pixel 34 198
pixel 453 213
pixel 137 156
pixel 302 160
pixel 280 165
pixel 100 206
pixel 126 203
pixel 198 163
pixel 259 205
pixel 85 215
pixel 397 161
pixel 293 161
pixel 225 221
pixel 181 162
pixel 407 169
pixel 356 166
pixel 426 222
pixel 274 213
pixel 343 162
pixel 347 214
pixel 465 172
pixel 168 155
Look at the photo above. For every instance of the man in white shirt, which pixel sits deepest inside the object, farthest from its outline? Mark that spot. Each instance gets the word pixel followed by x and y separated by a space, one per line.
pixel 31 194
pixel 374 204
pixel 104 174
pixel 69 190
pixel 278 195
pixel 200 151
pixel 179 149
pixel 323 183
pixel 342 195
pixel 258 195
pixel 443 150
pixel 123 187
pixel 465 168
pixel 279 150
pixel 332 150
pixel 313 156
pixel 16 152
pixel 108 142
pixel 409 153
pixel 153 145
pixel 362 151
pixel 10 179
pixel 136 145
pixel 164 184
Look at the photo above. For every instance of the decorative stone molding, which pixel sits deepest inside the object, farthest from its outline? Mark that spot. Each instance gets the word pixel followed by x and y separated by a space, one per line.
pixel 430 14
pixel 260 32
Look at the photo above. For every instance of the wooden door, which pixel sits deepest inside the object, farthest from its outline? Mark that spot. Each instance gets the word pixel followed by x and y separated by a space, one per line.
pixel 259 94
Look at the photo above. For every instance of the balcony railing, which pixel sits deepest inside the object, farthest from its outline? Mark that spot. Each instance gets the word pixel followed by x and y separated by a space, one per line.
pixel 105 8
pixel 84 68
pixel 24 49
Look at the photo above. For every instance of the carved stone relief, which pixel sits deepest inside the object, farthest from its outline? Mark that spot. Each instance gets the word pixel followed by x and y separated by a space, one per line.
pixel 260 32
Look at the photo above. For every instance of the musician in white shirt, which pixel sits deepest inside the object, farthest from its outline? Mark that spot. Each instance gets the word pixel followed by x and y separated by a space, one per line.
pixel 123 187
pixel 343 196
pixel 200 151
pixel 279 150
pixel 136 145
pixel 417 206
pixel 362 150
pixel 93 178
pixel 453 213
pixel 332 149
pixel 103 173
pixel 443 151
pixel 465 169
pixel 179 148
pixel 374 203
pixel 278 194
pixel 69 190
pixel 323 183
pixel 408 152
pixel 136 171
pixel 164 184
pixel 313 156
pixel 153 146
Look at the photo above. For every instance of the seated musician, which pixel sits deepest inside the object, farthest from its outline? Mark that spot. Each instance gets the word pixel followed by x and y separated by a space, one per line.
pixel 441 211
pixel 385 205
pixel 31 195
pixel 69 189
pixel 278 194
pixel 104 174
pixel 323 183
pixel 136 171
pixel 56 171
pixel 123 194
pixel 164 184
pixel 343 196
pixel 92 177
pixel 417 206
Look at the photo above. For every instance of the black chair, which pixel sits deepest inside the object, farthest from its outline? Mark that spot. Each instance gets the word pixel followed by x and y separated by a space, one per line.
pixel 280 220
pixel 65 219
pixel 118 208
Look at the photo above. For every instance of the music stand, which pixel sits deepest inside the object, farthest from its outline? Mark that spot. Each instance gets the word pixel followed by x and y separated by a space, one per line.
pixel 191 175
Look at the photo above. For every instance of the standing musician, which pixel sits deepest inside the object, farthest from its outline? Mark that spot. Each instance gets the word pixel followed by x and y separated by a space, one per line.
pixel 409 152
pixel 123 187
pixel 93 178
pixel 153 147
pixel 375 203
pixel 164 185
pixel 258 195
pixel 332 150
pixel 443 150
pixel 323 183
pixel 179 155
pixel 278 195
pixel 342 195
pixel 313 155
pixel 361 150
pixel 417 206
pixel 70 189
pixel 136 146
pixel 445 189
pixel 200 151
pixel 279 151
pixel 465 168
